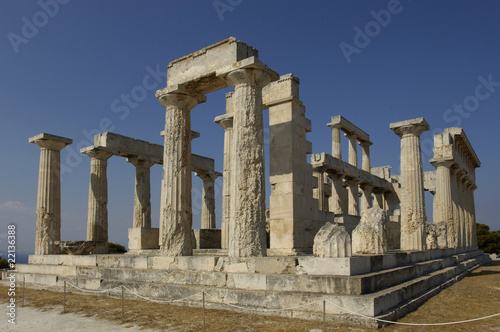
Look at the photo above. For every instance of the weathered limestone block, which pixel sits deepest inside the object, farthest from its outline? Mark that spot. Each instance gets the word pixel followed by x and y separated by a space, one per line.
pixel 370 236
pixel 77 247
pixel 207 238
pixel 436 235
pixel 143 238
pixel 332 240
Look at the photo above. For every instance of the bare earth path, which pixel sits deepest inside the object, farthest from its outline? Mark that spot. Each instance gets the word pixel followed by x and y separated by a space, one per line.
pixel 477 295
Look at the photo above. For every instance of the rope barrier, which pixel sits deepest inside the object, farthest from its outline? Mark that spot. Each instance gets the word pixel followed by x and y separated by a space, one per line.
pixel 323 301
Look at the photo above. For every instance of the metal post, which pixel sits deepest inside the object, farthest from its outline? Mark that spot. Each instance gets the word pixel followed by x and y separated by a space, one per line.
pixel 64 298
pixel 324 309
pixel 123 307
pixel 24 284
pixel 203 311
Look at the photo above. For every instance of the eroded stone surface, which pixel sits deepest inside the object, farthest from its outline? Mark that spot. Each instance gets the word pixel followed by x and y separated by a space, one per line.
pixel 332 240
pixel 77 247
pixel 370 236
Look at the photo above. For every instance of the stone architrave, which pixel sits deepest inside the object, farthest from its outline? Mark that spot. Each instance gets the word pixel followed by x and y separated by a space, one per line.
pixel 332 240
pixel 208 198
pixel 413 217
pixel 370 236
pixel 142 193
pixel 176 238
pixel 48 207
pixel 247 233
pixel 97 222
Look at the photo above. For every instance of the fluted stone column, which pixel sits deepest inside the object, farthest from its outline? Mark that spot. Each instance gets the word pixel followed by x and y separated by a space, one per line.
pixel 338 194
pixel 366 197
pixel 208 199
pixel 352 197
pixel 472 188
pixel 379 199
pixel 322 201
pixel 48 205
pixel 456 207
pixel 461 209
pixel 353 152
pixel 226 122
pixel 247 233
pixel 142 193
pixel 365 157
pixel 443 202
pixel 176 216
pixel 336 143
pixel 97 221
pixel 413 219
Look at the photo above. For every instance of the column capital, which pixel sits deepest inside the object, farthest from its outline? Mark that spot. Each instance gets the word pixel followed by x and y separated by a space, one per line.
pixel 207 175
pixel 51 142
pixel 225 121
pixel 248 71
pixel 179 96
pixel 365 144
pixel 414 127
pixel 351 135
pixel 436 162
pixel 95 153
pixel 334 125
pixel 137 161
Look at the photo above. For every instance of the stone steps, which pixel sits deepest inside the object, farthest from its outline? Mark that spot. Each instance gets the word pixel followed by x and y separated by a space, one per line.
pixel 386 293
pixel 383 303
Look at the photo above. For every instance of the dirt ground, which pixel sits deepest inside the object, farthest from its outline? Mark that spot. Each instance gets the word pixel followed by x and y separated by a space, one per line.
pixel 477 295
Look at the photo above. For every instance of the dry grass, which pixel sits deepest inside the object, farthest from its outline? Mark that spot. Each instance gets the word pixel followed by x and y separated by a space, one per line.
pixel 477 295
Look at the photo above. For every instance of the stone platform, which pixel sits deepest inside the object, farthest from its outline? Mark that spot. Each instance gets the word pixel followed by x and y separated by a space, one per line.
pixel 381 286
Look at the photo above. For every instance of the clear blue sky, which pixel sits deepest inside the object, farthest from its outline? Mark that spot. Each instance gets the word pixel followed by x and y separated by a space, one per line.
pixel 65 72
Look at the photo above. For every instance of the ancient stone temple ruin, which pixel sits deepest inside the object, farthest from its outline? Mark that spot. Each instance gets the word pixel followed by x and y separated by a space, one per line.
pixel 353 235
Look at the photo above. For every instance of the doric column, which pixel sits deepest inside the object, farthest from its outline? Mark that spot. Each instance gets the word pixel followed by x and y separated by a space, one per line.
pixel 353 152
pixel 226 122
pixel 247 233
pixel 336 144
pixel 365 157
pixel 352 197
pixel 456 208
pixel 142 193
pixel 48 204
pixel 379 198
pixel 97 221
pixel 461 209
pixel 443 202
pixel 208 198
pixel 322 201
pixel 338 194
pixel 413 235
pixel 176 216
pixel 366 197
pixel 473 239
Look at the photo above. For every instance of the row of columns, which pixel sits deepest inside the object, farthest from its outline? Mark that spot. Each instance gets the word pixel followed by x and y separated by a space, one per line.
pixel 49 197
pixel 454 203
pixel 353 152
pixel 358 195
